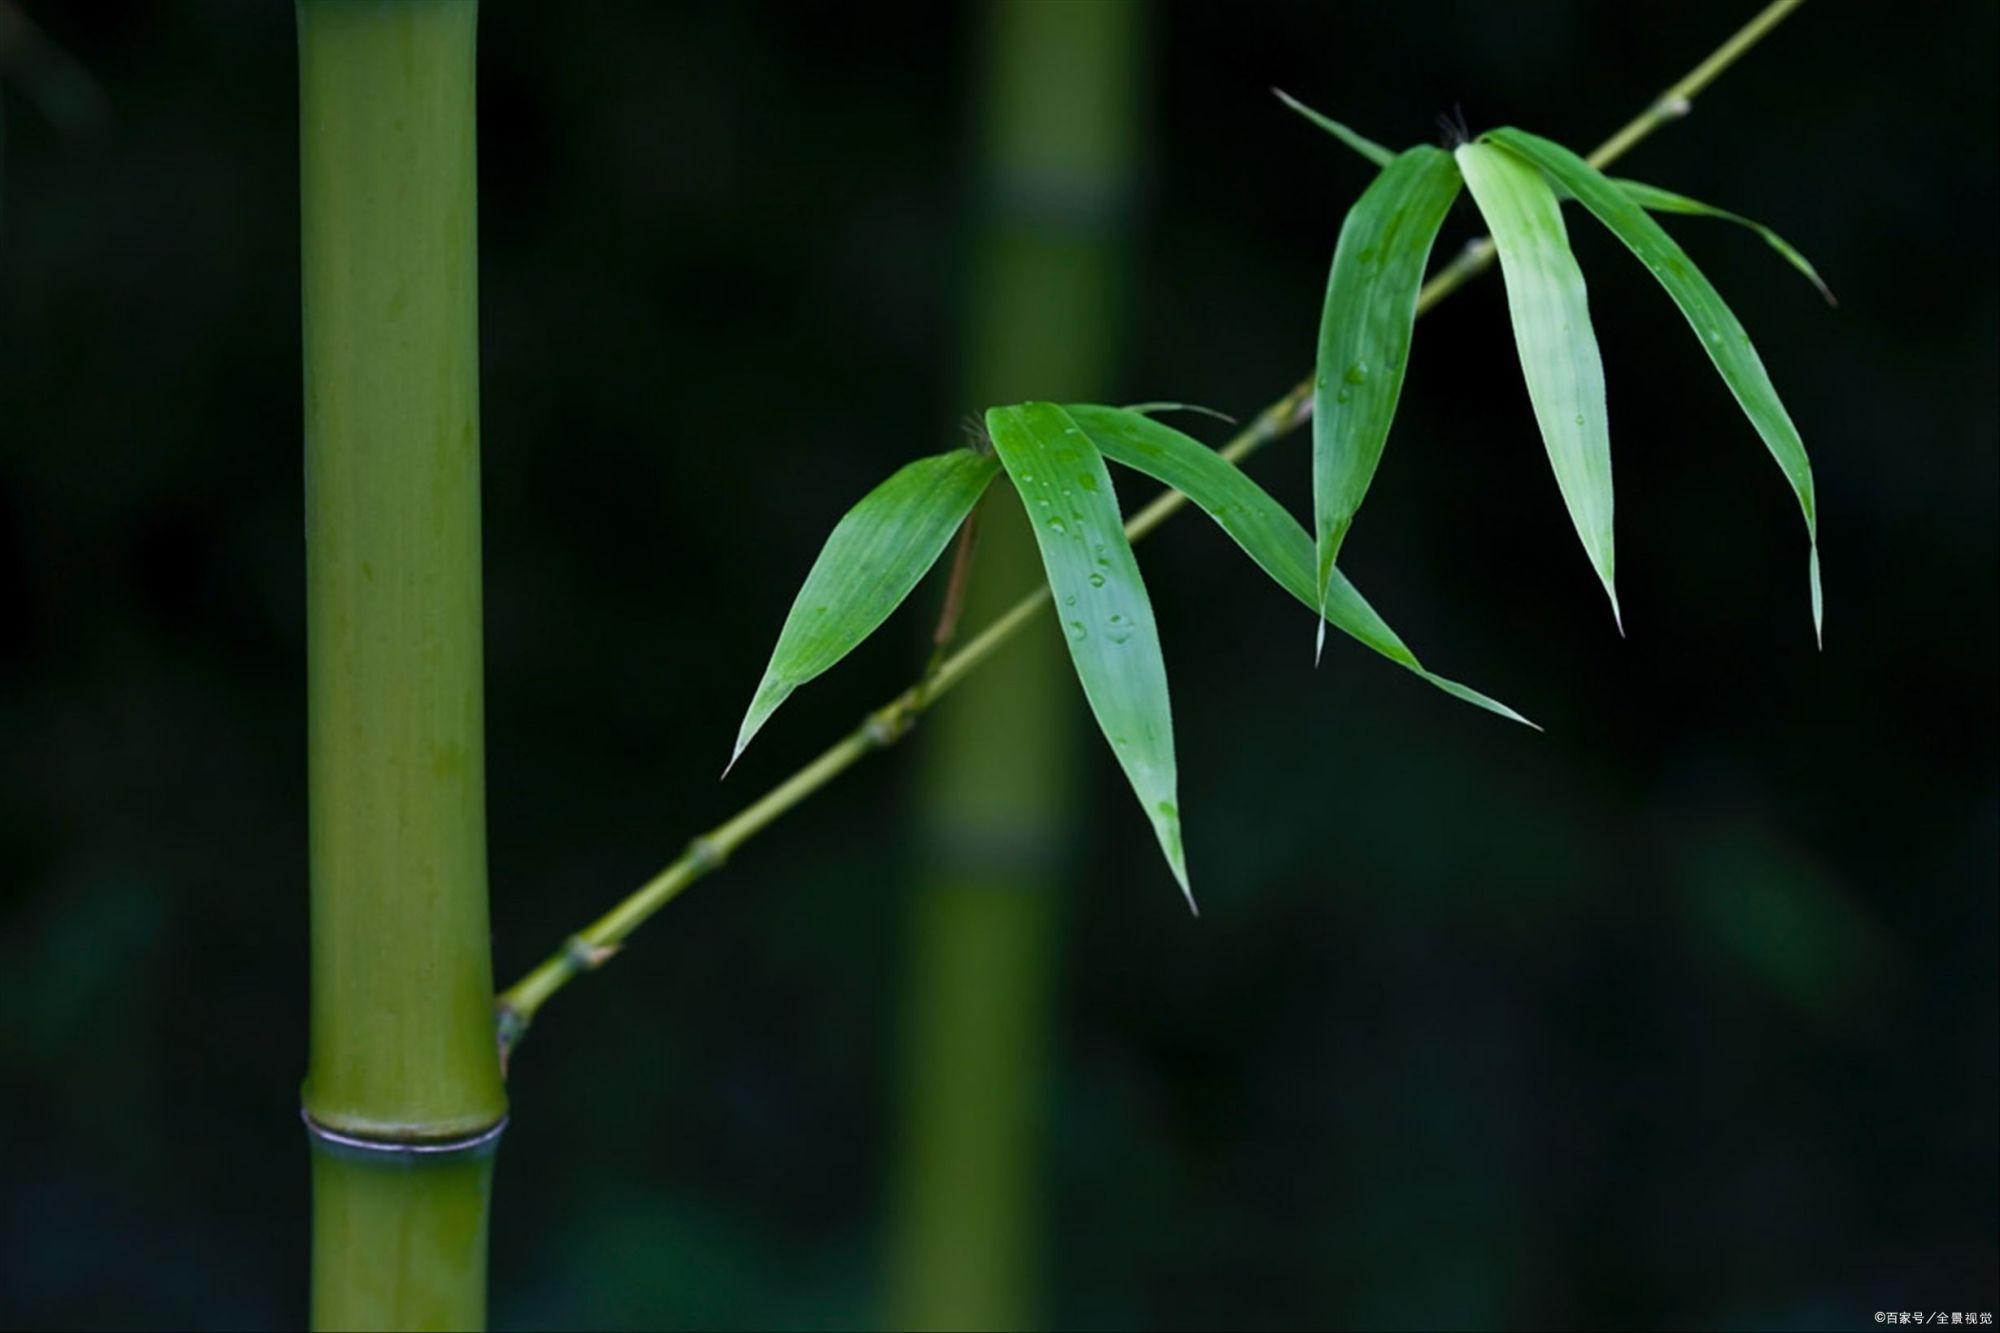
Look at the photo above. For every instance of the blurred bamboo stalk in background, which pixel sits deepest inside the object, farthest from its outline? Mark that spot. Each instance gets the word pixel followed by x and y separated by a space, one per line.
pixel 403 1092
pixel 1058 89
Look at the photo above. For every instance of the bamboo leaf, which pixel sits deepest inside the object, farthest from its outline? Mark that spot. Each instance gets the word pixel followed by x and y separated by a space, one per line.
pixel 1106 616
pixel 1656 200
pixel 875 555
pixel 1153 409
pixel 1721 333
pixel 1559 358
pixel 1364 334
pixel 1368 148
pixel 1260 525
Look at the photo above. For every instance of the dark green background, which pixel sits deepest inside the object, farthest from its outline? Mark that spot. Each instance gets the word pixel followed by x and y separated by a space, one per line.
pixel 1680 1014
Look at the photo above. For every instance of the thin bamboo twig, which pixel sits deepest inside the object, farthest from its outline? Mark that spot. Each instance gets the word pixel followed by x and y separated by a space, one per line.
pixel 954 591
pixel 590 947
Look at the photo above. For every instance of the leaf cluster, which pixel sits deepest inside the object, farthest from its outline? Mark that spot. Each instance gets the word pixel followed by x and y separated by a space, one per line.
pixel 1056 456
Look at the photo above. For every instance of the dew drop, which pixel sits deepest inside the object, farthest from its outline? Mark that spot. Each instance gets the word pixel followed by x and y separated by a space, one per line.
pixel 1057 525
pixel 1096 579
pixel 1088 482
pixel 1579 418
pixel 1357 373
pixel 1077 631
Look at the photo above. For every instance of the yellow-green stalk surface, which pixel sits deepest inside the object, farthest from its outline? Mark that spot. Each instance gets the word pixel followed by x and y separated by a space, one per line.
pixel 399 1241
pixel 402 992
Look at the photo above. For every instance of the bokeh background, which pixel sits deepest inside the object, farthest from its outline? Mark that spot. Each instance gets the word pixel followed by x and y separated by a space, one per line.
pixel 1681 1014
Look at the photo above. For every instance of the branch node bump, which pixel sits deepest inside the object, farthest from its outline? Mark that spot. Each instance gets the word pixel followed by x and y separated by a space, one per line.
pixel 584 956
pixel 509 1026
pixel 704 855
pixel 887 727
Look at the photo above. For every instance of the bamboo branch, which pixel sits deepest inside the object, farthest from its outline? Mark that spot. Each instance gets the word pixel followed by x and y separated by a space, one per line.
pixel 590 947
pixel 954 591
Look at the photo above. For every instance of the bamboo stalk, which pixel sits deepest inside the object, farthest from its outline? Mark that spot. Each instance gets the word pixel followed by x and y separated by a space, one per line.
pixel 1058 119
pixel 399 1239
pixel 604 937
pixel 401 1022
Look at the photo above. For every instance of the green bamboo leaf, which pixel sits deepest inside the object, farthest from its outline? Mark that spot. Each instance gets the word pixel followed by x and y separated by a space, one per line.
pixel 1655 200
pixel 875 555
pixel 1106 616
pixel 1721 333
pixel 1260 525
pixel 1559 358
pixel 1368 148
pixel 1364 334
pixel 1153 409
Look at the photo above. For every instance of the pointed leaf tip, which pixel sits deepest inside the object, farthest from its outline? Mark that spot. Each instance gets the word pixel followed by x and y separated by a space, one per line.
pixel 1168 826
pixel 1656 200
pixel 1818 608
pixel 1361 144
pixel 771 694
pixel 743 738
pixel 1156 408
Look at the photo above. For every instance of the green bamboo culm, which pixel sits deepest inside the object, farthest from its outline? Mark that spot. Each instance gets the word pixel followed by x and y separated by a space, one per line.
pixel 403 1046
pixel 1058 89
pixel 399 1239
